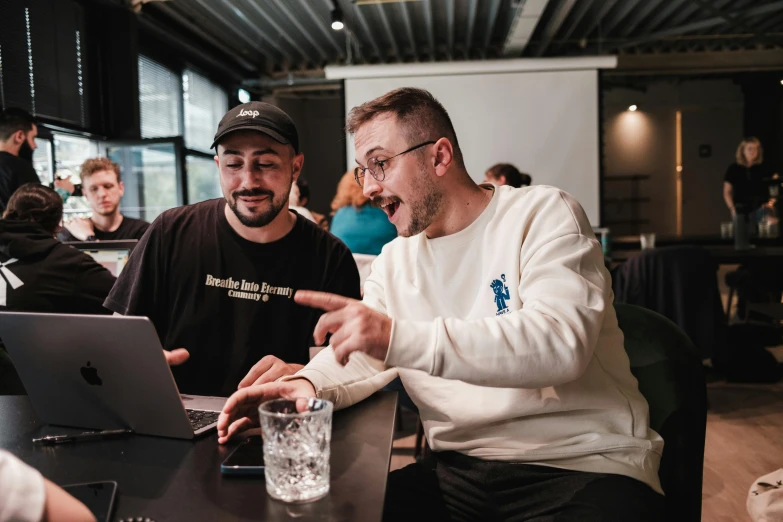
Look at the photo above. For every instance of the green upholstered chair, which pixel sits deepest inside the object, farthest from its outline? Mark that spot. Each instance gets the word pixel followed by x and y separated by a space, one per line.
pixel 668 368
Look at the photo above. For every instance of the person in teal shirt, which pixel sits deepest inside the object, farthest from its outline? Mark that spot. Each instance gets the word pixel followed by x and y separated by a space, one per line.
pixel 363 228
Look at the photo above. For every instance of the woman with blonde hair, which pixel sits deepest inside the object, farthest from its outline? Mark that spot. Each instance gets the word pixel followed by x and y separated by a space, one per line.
pixel 744 186
pixel 361 226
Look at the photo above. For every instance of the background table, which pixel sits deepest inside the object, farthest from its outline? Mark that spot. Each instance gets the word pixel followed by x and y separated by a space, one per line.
pixel 723 254
pixel 176 480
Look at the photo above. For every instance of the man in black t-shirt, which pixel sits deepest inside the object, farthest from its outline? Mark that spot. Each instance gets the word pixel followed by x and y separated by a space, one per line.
pixel 17 143
pixel 218 278
pixel 103 188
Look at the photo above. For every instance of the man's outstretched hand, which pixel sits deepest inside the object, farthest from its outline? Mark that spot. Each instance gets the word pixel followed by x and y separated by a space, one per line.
pixel 241 409
pixel 354 326
pixel 268 369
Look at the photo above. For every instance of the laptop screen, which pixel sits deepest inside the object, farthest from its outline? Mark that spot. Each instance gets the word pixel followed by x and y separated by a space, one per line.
pixel 113 260
pixel 111 254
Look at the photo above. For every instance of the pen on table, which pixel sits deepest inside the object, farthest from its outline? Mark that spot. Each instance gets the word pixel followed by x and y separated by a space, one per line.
pixel 80 437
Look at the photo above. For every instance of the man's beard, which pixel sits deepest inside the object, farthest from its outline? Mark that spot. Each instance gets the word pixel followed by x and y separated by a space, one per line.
pixel 424 209
pixel 26 151
pixel 423 212
pixel 263 218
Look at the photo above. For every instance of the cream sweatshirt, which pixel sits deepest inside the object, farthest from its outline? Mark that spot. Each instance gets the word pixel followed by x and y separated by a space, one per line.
pixel 22 491
pixel 505 337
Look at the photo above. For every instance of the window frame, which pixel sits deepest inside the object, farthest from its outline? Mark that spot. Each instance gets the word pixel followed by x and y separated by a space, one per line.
pixel 179 69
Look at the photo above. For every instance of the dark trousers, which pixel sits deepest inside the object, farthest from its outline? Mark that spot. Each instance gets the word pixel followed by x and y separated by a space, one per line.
pixel 449 486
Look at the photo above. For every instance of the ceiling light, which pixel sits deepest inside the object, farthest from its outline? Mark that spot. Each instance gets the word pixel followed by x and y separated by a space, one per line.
pixel 337 18
pixel 632 108
pixel 243 96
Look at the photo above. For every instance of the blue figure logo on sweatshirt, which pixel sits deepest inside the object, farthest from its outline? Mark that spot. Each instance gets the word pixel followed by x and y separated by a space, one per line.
pixel 501 294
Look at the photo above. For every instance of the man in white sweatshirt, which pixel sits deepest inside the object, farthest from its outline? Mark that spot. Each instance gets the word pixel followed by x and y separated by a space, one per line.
pixel 495 309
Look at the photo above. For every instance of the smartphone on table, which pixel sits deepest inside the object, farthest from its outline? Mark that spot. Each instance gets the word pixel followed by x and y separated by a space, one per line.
pixel 97 496
pixel 246 459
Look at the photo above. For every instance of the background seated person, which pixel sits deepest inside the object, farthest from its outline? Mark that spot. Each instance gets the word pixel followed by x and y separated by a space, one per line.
pixel 294 203
pixel 217 278
pixel 507 174
pixel 303 187
pixel 103 188
pixel 363 227
pixel 495 309
pixel 42 274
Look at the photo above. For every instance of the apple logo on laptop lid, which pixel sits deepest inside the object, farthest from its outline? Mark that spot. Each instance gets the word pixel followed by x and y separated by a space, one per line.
pixel 90 374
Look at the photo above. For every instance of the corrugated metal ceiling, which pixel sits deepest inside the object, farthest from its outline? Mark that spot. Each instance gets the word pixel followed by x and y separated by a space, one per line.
pixel 295 35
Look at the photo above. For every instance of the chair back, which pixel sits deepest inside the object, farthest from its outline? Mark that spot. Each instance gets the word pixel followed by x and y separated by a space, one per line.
pixel 681 283
pixel 668 368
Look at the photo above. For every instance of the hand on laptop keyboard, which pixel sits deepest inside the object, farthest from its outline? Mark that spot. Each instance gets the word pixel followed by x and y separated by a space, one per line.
pixel 200 419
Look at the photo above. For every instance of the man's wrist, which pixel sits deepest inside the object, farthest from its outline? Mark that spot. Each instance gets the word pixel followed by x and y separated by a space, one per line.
pixel 64 194
pixel 294 380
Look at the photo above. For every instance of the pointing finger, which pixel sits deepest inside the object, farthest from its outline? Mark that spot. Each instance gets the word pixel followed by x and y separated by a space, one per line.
pixel 323 300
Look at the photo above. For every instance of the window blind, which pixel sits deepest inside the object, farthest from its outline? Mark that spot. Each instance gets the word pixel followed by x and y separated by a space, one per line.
pixel 159 100
pixel 205 103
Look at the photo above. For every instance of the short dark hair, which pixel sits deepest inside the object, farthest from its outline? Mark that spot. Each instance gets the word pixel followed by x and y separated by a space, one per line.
pixel 513 177
pixel 420 114
pixel 36 203
pixel 13 120
pixel 304 189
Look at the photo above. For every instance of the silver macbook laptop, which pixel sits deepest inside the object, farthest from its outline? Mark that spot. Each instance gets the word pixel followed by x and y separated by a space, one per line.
pixel 102 372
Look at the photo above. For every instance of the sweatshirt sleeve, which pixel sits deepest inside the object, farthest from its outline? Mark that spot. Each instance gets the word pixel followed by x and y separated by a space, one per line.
pixel 22 493
pixel 565 291
pixel 363 375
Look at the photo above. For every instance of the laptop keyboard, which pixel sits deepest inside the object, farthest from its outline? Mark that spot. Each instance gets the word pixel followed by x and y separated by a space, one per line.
pixel 200 419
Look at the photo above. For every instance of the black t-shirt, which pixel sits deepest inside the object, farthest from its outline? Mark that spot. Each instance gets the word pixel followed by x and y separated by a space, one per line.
pixel 55 278
pixel 130 228
pixel 14 172
pixel 750 191
pixel 227 300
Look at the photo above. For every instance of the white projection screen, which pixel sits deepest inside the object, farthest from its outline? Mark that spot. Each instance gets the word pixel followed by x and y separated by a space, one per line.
pixel 544 122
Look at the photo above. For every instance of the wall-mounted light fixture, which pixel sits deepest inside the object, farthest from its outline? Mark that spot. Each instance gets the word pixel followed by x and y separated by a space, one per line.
pixel 632 108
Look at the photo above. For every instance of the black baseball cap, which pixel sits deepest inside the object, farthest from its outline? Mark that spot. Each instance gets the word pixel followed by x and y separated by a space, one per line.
pixel 261 117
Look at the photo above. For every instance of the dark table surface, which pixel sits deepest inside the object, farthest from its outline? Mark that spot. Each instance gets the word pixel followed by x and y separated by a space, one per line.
pixel 176 480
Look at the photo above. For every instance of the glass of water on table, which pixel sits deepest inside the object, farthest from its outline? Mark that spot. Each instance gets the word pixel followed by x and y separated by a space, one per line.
pixel 297 436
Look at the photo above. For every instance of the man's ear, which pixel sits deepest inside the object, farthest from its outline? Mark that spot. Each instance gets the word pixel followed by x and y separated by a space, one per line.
pixel 217 161
pixel 298 164
pixel 444 156
pixel 19 137
pixel 502 180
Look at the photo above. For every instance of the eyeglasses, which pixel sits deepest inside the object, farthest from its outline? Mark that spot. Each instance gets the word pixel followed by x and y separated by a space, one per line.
pixel 375 166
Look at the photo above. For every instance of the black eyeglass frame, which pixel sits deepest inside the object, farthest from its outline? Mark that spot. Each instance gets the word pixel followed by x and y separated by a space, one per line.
pixel 359 172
